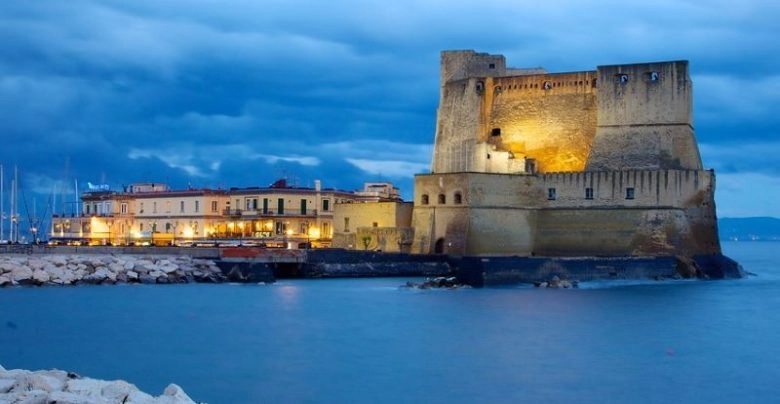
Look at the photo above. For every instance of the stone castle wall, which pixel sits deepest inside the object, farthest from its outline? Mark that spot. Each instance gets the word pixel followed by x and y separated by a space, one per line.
pixel 645 118
pixel 624 213
pixel 550 118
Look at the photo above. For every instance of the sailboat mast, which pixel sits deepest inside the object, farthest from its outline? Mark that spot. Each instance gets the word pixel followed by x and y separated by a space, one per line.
pixel 12 235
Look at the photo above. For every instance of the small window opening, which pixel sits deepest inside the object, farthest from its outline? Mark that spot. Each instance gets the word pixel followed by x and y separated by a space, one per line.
pixel 442 199
pixel 547 85
pixel 424 199
pixel 652 76
pixel 588 193
pixel 457 198
pixel 629 193
pixel 495 132
pixel 492 66
pixel 622 78
pixel 551 194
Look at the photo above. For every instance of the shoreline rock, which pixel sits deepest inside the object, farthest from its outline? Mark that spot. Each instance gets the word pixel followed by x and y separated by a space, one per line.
pixel 439 282
pixel 66 269
pixel 59 386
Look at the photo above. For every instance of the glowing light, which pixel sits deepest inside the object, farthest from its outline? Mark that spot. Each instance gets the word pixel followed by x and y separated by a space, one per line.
pixel 314 232
pixel 188 232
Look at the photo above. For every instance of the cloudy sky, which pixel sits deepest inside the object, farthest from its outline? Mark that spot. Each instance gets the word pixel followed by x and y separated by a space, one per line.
pixel 221 93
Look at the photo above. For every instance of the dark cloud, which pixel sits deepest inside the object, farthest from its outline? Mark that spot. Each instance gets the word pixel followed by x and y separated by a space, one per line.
pixel 241 92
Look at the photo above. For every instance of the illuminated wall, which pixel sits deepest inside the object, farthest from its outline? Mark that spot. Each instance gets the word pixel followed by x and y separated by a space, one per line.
pixel 550 118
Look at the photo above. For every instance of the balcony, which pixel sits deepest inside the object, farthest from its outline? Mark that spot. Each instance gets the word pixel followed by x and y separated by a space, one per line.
pixel 236 213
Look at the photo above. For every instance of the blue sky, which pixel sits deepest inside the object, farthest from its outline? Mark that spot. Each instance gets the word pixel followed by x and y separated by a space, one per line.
pixel 221 93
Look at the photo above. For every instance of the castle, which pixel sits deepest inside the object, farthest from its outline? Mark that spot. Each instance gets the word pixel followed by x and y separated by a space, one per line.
pixel 596 163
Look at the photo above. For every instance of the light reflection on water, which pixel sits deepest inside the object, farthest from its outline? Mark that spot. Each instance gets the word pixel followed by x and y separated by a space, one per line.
pixel 371 340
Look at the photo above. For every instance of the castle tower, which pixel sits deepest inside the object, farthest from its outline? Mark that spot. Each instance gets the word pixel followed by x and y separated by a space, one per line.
pixel 461 113
pixel 644 118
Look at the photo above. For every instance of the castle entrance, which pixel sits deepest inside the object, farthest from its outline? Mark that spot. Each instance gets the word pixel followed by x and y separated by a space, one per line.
pixel 438 248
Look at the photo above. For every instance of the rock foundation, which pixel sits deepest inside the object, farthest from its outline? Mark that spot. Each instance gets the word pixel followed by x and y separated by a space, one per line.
pixel 59 386
pixel 19 269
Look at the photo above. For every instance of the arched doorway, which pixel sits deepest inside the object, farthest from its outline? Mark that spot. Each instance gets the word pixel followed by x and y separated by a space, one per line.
pixel 438 248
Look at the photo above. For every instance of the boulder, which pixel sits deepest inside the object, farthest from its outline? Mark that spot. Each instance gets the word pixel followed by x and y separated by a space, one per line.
pixel 64 397
pixel 132 275
pixel 40 276
pixel 147 279
pixel 21 274
pixel 38 381
pixel 117 391
pixel 86 387
pixel 6 385
pixel 5 281
pixel 175 392
pixel 30 397
pixel 139 397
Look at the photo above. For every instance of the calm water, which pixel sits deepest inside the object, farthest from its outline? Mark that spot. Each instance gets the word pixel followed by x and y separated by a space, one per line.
pixel 366 340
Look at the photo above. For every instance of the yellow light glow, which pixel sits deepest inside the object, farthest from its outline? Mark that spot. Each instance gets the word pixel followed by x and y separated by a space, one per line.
pixel 314 232
pixel 187 232
pixel 289 232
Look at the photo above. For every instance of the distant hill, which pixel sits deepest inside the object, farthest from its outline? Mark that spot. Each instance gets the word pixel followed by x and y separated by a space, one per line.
pixel 749 228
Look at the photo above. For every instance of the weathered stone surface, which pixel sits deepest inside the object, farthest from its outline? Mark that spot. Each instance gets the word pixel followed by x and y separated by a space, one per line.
pixel 117 391
pixel 76 269
pixel 6 385
pixel 21 274
pixel 64 397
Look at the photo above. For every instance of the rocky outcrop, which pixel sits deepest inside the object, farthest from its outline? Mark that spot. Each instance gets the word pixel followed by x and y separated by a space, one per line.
pixel 18 269
pixel 557 283
pixel 439 282
pixel 59 386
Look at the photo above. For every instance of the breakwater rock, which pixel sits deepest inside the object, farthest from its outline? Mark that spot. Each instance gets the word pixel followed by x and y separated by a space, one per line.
pixel 59 386
pixel 439 282
pixel 19 269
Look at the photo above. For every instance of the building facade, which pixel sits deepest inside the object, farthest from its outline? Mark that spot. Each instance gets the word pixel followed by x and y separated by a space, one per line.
pixel 279 215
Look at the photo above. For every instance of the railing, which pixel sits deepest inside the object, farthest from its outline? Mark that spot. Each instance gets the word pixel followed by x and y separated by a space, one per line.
pixel 269 212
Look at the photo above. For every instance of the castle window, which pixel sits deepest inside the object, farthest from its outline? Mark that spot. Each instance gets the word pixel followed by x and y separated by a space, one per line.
pixel 497 89
pixel 653 76
pixel 480 87
pixel 442 199
pixel 457 198
pixel 374 224
pixel 629 193
pixel 594 83
pixel 551 194
pixel 495 132
pixel 424 199
pixel 588 193
pixel 492 66
pixel 547 85
pixel 622 78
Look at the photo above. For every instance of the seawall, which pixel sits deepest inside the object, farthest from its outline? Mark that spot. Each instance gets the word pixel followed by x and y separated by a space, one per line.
pixel 490 271
pixel 252 265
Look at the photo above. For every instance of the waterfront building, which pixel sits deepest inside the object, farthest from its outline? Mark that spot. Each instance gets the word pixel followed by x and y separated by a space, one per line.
pixel 142 214
pixel 280 215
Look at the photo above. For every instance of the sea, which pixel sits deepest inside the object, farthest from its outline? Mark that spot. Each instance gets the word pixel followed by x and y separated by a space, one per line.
pixel 373 341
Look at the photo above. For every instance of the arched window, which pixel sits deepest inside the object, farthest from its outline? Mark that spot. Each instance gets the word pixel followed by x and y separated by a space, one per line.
pixel 442 199
pixel 457 198
pixel 424 199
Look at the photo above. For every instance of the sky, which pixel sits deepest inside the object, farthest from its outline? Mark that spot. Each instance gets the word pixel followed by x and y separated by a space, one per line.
pixel 238 93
